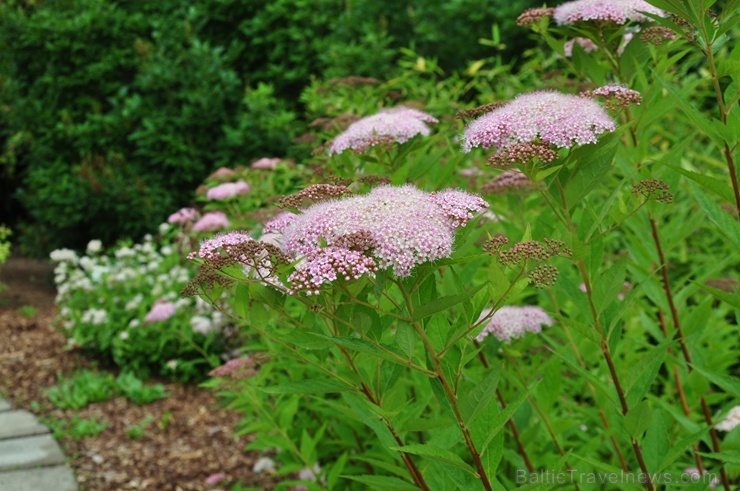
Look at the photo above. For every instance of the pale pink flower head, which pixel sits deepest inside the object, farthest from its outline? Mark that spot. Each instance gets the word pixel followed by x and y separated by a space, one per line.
pixel 731 420
pixel 608 11
pixel 228 190
pixel 696 476
pixel 407 226
pixel 183 215
pixel 585 43
pixel 210 248
pixel 265 163
pixel 512 322
pixel 160 311
pixel 211 221
pixel 389 125
pixel 544 118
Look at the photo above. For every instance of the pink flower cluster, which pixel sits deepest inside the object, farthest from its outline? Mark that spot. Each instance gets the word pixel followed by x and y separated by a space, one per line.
pixel 183 215
pixel 228 190
pixel 511 322
pixel 549 117
pixel 408 226
pixel 389 125
pixel 616 95
pixel 209 249
pixel 160 311
pixel 265 163
pixel 211 221
pixel 326 265
pixel 610 11
pixel 585 43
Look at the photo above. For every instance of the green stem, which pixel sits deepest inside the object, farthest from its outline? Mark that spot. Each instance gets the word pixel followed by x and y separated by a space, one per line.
pixel 449 392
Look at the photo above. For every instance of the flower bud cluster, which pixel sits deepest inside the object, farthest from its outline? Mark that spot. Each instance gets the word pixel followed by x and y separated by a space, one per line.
pixel 313 194
pixel 654 189
pixel 507 182
pixel 533 16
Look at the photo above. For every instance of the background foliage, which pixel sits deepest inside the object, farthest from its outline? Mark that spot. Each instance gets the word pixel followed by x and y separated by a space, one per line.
pixel 113 111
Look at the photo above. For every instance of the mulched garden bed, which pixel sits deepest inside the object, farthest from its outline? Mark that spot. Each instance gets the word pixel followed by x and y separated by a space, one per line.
pixel 187 440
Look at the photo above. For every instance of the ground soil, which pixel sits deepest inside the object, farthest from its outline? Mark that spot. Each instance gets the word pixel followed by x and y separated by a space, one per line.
pixel 197 442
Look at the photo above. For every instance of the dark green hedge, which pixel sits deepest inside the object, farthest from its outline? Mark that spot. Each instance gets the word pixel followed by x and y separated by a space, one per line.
pixel 111 112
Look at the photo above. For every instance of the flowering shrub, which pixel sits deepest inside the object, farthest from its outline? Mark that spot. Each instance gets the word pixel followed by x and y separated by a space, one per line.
pixel 125 307
pixel 405 333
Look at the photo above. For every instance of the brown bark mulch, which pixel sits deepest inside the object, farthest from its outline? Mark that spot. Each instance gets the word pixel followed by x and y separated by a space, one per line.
pixel 187 440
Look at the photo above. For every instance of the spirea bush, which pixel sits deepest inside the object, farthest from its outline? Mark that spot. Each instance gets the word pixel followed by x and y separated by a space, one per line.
pixel 539 295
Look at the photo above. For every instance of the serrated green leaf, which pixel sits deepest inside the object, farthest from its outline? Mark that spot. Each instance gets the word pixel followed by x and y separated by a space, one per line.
pixel 438 454
pixel 717 186
pixel 382 482
pixel 726 224
pixel 310 386
pixel 481 396
pixel 642 374
pixel 729 384
pixel 444 303
pixel 656 443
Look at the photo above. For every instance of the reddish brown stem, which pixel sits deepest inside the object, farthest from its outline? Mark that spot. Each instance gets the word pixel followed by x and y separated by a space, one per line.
pixel 685 350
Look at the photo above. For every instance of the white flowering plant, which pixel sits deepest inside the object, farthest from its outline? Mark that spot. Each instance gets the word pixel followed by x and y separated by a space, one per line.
pixel 124 306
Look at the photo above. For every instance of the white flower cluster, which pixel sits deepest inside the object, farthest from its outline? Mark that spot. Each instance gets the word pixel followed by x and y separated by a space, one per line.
pixel 125 286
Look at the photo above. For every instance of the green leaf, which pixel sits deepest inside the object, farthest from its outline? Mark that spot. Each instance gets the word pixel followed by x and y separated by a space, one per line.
pixel 444 303
pixel 656 443
pixel 643 373
pixel 310 386
pixel 593 162
pixel 731 298
pixel 505 415
pixel 729 456
pixel 608 285
pixel 438 454
pixel 700 121
pixel 382 482
pixel 638 419
pixel 480 397
pixel 729 384
pixel 717 186
pixel 241 300
pixel 727 225
pixel 406 338
pixel 678 449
